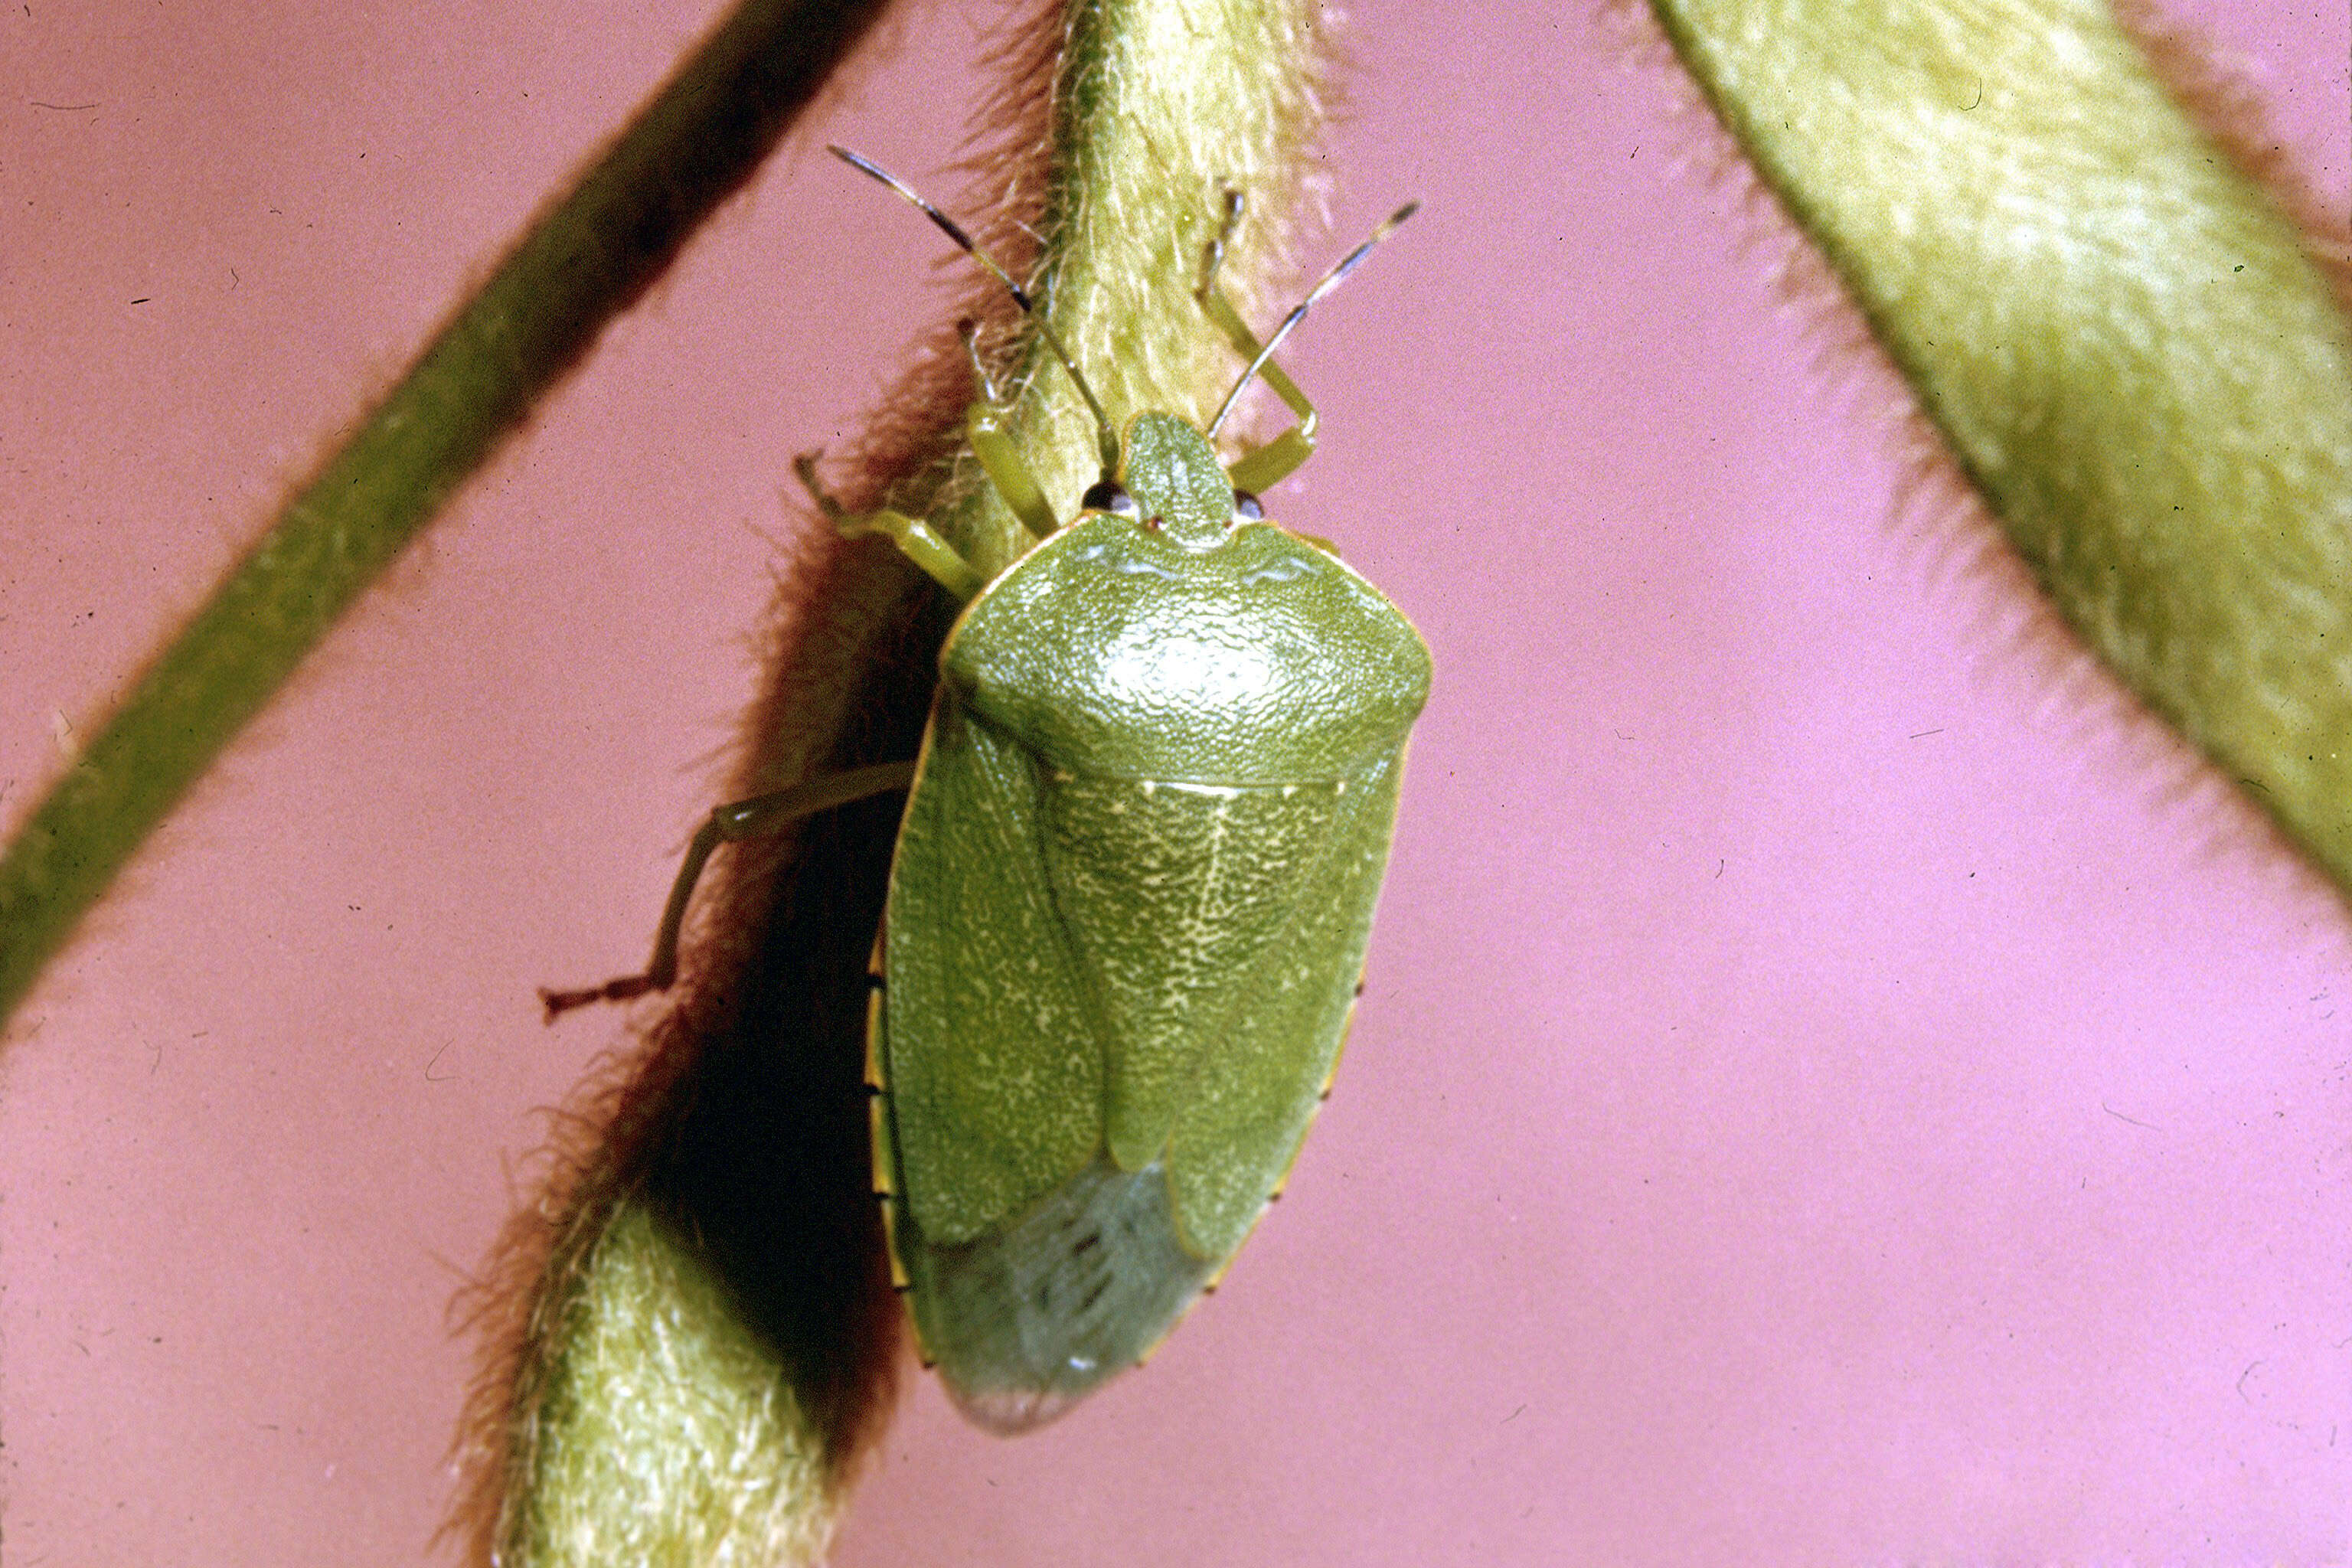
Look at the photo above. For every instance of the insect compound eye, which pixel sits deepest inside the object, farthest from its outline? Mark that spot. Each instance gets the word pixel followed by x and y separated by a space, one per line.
pixel 1247 508
pixel 1107 496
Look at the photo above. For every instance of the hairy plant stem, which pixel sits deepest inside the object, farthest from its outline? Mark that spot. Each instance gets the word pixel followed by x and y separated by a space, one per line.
pixel 2119 334
pixel 589 257
pixel 692 1337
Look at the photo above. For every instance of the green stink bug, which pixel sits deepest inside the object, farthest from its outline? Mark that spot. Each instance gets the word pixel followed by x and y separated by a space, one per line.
pixel 1132 891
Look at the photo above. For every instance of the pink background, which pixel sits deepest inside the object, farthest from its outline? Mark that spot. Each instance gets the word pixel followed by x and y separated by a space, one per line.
pixel 1832 1090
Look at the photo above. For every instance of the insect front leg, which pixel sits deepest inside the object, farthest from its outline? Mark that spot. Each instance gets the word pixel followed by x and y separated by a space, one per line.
pixel 753 819
pixel 1268 465
pixel 1277 457
pixel 999 454
pixel 915 538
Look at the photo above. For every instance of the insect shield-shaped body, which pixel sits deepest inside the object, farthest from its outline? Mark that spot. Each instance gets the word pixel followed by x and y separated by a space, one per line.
pixel 1131 890
pixel 1125 923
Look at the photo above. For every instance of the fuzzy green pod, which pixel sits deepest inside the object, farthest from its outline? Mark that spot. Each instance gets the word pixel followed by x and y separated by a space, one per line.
pixel 1127 921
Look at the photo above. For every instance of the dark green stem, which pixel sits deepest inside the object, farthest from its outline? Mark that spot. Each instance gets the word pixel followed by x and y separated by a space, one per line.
pixel 588 259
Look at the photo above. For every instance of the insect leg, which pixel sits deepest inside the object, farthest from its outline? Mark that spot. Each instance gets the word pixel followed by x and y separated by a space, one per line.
pixel 984 426
pixel 999 454
pixel 753 818
pixel 920 543
pixel 1275 460
pixel 1278 458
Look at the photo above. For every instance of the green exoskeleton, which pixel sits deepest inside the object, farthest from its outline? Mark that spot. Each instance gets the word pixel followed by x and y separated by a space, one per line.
pixel 1131 892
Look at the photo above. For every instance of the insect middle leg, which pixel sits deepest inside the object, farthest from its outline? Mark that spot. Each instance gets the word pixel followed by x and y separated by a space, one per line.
pixel 919 541
pixel 753 819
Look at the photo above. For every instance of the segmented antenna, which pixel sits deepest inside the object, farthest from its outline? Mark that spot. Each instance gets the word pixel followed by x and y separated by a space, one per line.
pixel 1299 311
pixel 1106 437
